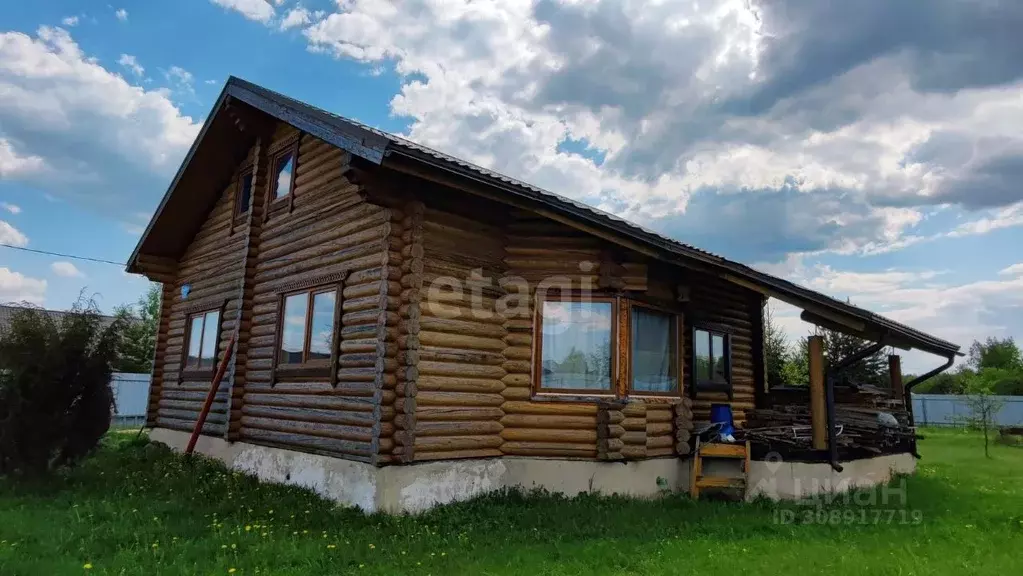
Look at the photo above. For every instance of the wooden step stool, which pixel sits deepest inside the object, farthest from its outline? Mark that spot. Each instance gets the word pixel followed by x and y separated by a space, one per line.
pixel 718 450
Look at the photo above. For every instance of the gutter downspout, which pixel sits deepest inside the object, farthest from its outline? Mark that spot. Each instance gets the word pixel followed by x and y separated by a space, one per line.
pixel 829 396
pixel 907 399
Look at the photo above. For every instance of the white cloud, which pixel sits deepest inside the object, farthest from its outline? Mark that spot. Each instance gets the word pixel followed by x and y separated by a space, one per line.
pixel 296 17
pixel 70 21
pixel 16 287
pixel 66 269
pixel 664 95
pixel 13 165
pixel 82 131
pixel 1014 270
pixel 129 62
pixel 12 208
pixel 121 14
pixel 258 10
pixel 181 78
pixel 12 236
pixel 1000 218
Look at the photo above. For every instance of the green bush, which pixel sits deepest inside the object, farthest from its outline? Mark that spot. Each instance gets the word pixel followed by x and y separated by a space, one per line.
pixel 55 396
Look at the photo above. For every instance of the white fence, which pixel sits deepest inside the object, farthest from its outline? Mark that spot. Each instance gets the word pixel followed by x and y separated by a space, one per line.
pixel 131 397
pixel 949 410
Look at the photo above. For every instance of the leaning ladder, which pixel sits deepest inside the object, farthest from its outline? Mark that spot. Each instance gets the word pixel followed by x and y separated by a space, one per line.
pixel 698 480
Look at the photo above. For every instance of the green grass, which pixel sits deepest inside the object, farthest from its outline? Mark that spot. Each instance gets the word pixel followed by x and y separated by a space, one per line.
pixel 137 509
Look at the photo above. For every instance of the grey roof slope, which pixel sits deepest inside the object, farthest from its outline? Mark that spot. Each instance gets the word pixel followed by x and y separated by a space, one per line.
pixel 375 146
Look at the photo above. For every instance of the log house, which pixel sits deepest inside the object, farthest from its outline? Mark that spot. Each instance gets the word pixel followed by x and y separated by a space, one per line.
pixel 393 306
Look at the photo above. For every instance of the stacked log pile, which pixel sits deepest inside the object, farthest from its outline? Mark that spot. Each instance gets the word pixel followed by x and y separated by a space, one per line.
pixel 786 422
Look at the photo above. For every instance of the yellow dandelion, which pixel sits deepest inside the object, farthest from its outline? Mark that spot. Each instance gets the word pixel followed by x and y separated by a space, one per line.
pixel 362 565
pixel 87 566
pixel 248 528
pixel 156 544
pixel 230 570
pixel 223 546
pixel 233 546
pixel 372 546
pixel 331 546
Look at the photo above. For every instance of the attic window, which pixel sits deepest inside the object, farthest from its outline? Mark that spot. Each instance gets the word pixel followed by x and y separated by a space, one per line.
pixel 244 193
pixel 284 174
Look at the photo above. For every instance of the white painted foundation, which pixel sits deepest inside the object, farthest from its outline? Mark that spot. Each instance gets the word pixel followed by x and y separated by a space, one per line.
pixel 780 480
pixel 418 487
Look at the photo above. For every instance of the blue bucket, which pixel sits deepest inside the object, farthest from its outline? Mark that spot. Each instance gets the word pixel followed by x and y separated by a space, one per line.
pixel 722 414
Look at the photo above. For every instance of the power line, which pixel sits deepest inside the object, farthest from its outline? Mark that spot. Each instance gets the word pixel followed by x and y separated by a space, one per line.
pixel 100 260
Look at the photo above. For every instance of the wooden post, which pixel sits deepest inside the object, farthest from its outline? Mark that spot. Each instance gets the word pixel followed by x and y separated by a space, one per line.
pixel 201 420
pixel 818 418
pixel 895 372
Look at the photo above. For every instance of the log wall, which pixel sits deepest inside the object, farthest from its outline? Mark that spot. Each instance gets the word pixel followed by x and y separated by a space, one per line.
pixel 476 344
pixel 734 309
pixel 323 232
pixel 212 266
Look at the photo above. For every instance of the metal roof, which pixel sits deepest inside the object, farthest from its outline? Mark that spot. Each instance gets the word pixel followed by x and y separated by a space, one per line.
pixel 376 146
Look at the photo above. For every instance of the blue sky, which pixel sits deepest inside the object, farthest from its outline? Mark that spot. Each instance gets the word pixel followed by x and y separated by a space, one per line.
pixel 871 152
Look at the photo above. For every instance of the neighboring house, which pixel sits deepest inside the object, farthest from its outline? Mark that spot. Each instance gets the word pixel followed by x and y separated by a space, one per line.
pixel 7 313
pixel 392 305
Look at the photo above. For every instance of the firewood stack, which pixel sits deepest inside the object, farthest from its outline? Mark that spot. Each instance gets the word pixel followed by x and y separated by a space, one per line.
pixel 786 422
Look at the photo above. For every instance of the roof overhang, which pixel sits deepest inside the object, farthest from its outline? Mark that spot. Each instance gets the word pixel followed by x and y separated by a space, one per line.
pixel 216 151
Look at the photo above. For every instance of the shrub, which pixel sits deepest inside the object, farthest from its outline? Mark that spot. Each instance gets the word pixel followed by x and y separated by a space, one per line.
pixel 55 396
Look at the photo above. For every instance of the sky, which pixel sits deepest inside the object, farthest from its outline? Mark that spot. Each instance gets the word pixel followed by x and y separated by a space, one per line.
pixel 871 150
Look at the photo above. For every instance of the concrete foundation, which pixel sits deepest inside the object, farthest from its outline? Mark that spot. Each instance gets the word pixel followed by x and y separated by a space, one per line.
pixel 418 487
pixel 780 480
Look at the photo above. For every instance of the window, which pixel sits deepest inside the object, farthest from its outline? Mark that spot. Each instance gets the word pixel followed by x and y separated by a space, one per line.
pixel 307 328
pixel 203 336
pixel 654 351
pixel 284 173
pixel 711 362
pixel 244 193
pixel 576 353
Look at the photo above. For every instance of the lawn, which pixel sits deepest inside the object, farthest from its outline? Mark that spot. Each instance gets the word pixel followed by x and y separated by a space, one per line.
pixel 136 508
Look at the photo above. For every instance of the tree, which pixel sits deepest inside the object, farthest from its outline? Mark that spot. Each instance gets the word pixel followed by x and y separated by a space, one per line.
pixel 982 402
pixel 138 338
pixel 995 353
pixel 776 351
pixel 871 370
pixel 796 371
pixel 55 396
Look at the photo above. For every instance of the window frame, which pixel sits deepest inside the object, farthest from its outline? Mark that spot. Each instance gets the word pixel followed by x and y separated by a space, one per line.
pixel 241 209
pixel 679 351
pixel 538 391
pixel 189 369
pixel 698 385
pixel 289 148
pixel 314 370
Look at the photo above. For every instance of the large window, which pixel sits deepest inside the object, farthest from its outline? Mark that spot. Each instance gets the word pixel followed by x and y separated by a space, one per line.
pixel 606 346
pixel 654 351
pixel 307 328
pixel 203 336
pixel 711 361
pixel 576 347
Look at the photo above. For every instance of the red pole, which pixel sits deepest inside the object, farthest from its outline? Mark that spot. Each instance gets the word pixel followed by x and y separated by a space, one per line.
pixel 209 397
